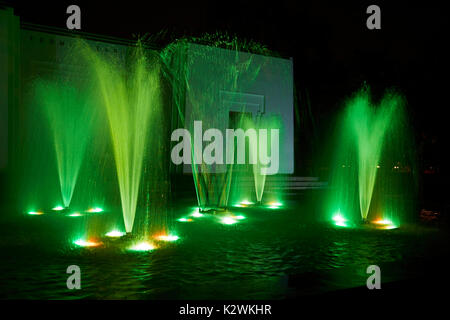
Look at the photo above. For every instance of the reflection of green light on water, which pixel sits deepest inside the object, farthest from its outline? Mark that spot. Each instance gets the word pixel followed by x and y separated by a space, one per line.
pixel 339 220
pixel 228 220
pixel 142 246
pixel 58 208
pixel 169 238
pixel 115 234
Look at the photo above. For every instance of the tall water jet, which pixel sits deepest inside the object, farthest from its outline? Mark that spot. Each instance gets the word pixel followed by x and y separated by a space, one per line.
pixel 374 140
pixel 267 146
pixel 70 112
pixel 369 127
pixel 130 93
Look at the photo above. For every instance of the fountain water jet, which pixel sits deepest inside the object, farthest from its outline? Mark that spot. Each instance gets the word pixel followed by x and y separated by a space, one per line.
pixel 371 140
pixel 71 113
pixel 131 96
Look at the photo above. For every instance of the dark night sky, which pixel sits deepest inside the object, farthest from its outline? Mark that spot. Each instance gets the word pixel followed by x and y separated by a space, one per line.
pixel 333 51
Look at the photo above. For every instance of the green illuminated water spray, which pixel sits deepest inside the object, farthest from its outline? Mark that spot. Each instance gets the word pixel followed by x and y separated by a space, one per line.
pixel 372 137
pixel 131 96
pixel 369 126
pixel 70 112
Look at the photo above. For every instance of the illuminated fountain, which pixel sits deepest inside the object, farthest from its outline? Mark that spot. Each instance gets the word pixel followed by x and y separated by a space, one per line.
pixel 237 70
pixel 366 181
pixel 70 112
pixel 129 87
pixel 131 95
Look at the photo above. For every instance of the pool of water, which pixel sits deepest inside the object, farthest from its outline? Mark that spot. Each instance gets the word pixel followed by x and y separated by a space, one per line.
pixel 272 254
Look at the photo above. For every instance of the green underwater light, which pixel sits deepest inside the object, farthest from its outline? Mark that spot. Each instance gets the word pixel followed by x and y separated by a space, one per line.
pixel 339 220
pixel 385 224
pixel 196 213
pixel 228 220
pixel 142 246
pixel 86 243
pixel 75 214
pixel 389 227
pixel 115 234
pixel 169 238
pixel 58 208
pixel 95 210
pixel 36 213
pixel 243 204
pixel 184 220
pixel 274 205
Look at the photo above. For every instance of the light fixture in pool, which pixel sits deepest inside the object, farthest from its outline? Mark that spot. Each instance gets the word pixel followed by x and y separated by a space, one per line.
pixel 84 243
pixel 239 217
pixel 383 221
pixel 142 246
pixel 388 227
pixel 184 220
pixel 385 224
pixel 228 220
pixel 339 220
pixel 197 213
pixel 75 214
pixel 169 238
pixel 115 234
pixel 246 203
pixel 274 205
pixel 95 210
pixel 58 208
pixel 35 213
